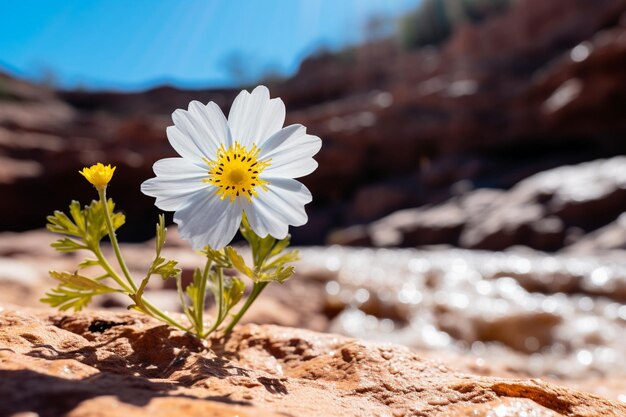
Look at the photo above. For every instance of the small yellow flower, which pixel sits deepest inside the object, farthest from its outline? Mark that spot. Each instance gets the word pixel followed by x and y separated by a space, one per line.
pixel 99 175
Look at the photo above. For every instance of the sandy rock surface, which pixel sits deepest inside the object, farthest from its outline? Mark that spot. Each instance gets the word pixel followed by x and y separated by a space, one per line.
pixel 523 314
pixel 104 363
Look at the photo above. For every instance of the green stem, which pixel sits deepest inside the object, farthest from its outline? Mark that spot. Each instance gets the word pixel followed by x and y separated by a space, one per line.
pixel 152 310
pixel 113 238
pixel 181 295
pixel 256 291
pixel 155 312
pixel 132 290
pixel 201 295
pixel 220 286
pixel 109 269
pixel 220 303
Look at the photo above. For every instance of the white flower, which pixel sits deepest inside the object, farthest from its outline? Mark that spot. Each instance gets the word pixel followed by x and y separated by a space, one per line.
pixel 227 167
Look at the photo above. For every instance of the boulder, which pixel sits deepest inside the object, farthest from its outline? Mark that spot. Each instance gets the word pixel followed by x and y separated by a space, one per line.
pixel 611 237
pixel 546 211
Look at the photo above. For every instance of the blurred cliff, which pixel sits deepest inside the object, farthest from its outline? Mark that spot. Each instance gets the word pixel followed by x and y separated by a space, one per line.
pixel 484 97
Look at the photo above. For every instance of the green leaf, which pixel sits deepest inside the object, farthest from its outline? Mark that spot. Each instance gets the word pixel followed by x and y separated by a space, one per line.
pixel 246 231
pixel 74 291
pixel 233 291
pixel 192 288
pixel 167 269
pixel 238 263
pixel 282 274
pixel 257 244
pixel 161 234
pixel 95 220
pixel 88 223
pixel 67 245
pixel 60 223
pixel 288 257
pixel 117 219
pixel 213 283
pixel 270 263
pixel 192 291
pixel 80 282
pixel 65 299
pixel 280 246
pixel 87 263
pixel 265 246
pixel 217 256
pixel 161 266
pixel 77 215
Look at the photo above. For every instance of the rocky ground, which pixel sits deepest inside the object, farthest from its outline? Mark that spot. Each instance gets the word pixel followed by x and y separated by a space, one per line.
pixel 519 314
pixel 107 364
pixel 506 137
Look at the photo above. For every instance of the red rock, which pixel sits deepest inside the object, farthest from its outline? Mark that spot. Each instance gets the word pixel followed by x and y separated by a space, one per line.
pixel 57 364
pixel 543 212
pixel 510 407
pixel 611 237
pixel 372 203
pixel 526 333
pixel 357 235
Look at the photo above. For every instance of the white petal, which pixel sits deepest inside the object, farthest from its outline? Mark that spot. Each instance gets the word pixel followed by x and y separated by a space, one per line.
pixel 293 169
pixel 214 124
pixel 177 179
pixel 263 220
pixel 178 167
pixel 294 189
pixel 279 138
pixel 253 118
pixel 207 220
pixel 291 151
pixel 287 198
pixel 199 131
pixel 272 211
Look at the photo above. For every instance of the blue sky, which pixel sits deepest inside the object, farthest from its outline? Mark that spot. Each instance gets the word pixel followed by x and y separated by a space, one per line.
pixel 134 44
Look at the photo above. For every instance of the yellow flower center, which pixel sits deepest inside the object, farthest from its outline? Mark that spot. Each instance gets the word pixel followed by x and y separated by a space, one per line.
pixel 236 172
pixel 98 175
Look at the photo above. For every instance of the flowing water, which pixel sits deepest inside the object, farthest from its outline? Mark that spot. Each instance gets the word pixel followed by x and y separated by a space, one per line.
pixel 558 316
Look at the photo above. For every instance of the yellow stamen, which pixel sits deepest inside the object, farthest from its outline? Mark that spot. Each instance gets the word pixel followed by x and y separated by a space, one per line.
pixel 236 172
pixel 98 175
